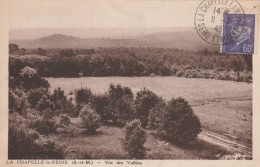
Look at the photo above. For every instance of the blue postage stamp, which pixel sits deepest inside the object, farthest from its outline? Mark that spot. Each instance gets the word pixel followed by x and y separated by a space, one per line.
pixel 238 33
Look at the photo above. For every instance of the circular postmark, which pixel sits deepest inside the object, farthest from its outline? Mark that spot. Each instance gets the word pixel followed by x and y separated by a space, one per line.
pixel 209 19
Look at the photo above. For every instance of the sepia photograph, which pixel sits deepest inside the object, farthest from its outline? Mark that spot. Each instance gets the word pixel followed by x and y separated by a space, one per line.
pixel 131 80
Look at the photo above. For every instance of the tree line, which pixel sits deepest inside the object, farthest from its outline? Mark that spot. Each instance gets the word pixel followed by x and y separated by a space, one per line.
pixel 133 62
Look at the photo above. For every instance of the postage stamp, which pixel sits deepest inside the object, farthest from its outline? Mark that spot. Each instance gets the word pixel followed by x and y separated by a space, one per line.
pixel 238 33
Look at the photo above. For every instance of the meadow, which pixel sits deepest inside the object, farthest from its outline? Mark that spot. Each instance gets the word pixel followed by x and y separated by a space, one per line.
pixel 224 107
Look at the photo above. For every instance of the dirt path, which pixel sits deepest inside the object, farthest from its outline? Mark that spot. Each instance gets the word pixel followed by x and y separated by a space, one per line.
pixel 226 141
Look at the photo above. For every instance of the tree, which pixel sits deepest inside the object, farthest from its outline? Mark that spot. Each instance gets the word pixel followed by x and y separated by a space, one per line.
pixel 117 92
pixel 121 104
pixel 68 52
pixel 90 120
pixel 29 79
pixel 134 140
pixel 178 122
pixel 58 98
pixel 43 125
pixel 35 95
pixel 123 110
pixel 144 102
pixel 101 105
pixel 155 115
pixel 42 52
pixel 45 103
pixel 13 48
pixel 83 95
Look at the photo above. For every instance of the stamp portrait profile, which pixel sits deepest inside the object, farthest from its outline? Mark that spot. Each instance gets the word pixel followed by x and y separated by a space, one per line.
pixel 240 30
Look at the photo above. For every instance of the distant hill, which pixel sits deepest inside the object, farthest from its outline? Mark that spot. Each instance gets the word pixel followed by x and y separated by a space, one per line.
pixel 187 40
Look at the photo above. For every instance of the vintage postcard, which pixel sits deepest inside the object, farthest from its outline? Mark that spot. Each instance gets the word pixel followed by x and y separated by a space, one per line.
pixel 129 83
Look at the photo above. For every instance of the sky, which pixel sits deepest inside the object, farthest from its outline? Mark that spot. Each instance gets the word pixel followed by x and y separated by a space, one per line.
pixel 101 13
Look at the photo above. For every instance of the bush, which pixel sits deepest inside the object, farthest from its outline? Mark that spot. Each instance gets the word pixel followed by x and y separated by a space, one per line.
pixel 43 125
pixel 90 120
pixel 45 103
pixel 48 148
pixel 58 98
pixel 21 143
pixel 18 102
pixel 155 114
pixel 25 143
pixel 123 110
pixel 144 102
pixel 29 79
pixel 101 105
pixel 35 95
pixel 178 122
pixel 121 107
pixel 83 96
pixel 12 104
pixel 47 114
pixel 117 92
pixel 134 140
pixel 65 120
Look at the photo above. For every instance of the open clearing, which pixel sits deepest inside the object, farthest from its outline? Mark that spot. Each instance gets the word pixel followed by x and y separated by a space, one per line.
pixel 106 144
pixel 224 107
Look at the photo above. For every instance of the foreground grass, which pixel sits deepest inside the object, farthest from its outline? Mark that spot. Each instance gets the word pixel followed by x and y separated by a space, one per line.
pixel 106 144
pixel 232 117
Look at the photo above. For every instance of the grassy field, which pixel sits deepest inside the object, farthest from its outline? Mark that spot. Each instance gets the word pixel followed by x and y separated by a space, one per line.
pixel 222 106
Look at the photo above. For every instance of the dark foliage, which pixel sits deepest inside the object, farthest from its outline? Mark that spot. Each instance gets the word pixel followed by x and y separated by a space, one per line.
pixel 178 122
pixel 101 104
pixel 155 115
pixel 65 120
pixel 35 95
pixel 121 105
pixel 43 125
pixel 83 96
pixel 25 143
pixel 45 103
pixel 136 62
pixel 144 102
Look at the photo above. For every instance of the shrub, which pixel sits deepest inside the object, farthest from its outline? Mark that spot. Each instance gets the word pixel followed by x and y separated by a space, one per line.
pixel 29 79
pixel 24 143
pixel 12 98
pixel 83 96
pixel 134 140
pixel 120 108
pixel 48 148
pixel 123 110
pixel 117 92
pixel 21 143
pixel 47 114
pixel 58 98
pixel 101 105
pixel 44 104
pixel 43 125
pixel 35 95
pixel 178 122
pixel 144 102
pixel 90 120
pixel 65 120
pixel 18 102
pixel 155 114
